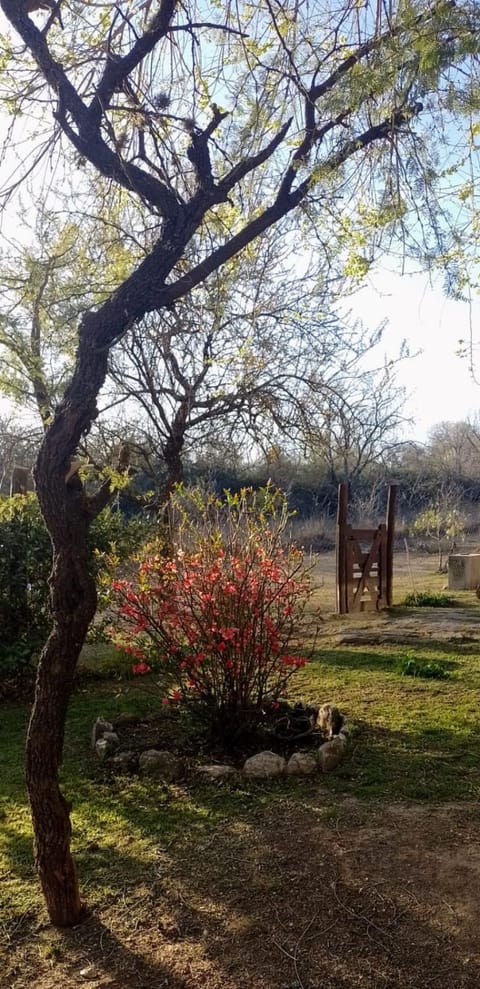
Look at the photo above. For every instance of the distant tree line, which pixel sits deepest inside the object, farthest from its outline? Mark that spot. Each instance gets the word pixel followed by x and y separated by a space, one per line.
pixel 449 462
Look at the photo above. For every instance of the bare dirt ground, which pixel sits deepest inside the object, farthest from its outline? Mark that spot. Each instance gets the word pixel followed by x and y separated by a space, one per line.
pixel 311 894
pixel 454 625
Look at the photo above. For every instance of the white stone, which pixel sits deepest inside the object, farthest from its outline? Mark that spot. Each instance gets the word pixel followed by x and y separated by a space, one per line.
pixel 161 764
pixel 88 973
pixel 330 719
pixel 264 765
pixel 463 571
pixel 302 764
pixel 112 738
pixel 330 754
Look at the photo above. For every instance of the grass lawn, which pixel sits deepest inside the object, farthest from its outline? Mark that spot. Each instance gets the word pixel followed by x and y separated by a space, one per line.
pixel 411 739
pixel 177 861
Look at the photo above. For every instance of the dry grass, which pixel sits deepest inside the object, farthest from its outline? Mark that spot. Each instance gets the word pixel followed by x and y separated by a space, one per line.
pixel 413 572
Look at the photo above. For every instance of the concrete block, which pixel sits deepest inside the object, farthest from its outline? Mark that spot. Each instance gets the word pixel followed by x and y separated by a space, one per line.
pixel 463 571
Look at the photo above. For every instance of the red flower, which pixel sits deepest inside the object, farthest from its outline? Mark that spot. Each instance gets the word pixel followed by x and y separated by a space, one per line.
pixel 140 668
pixel 228 633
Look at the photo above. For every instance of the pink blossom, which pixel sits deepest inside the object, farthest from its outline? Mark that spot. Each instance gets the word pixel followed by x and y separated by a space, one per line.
pixel 140 668
pixel 228 633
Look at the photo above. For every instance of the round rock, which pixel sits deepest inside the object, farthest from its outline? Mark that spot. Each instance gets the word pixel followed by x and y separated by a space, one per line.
pixel 264 765
pixel 99 728
pixel 330 754
pixel 302 764
pixel 161 764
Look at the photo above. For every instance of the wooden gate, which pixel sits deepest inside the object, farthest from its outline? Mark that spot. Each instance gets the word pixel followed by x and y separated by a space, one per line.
pixel 364 559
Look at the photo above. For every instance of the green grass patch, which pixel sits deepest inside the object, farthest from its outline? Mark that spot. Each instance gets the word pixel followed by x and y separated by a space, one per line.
pixel 102 661
pixel 428 599
pixel 431 670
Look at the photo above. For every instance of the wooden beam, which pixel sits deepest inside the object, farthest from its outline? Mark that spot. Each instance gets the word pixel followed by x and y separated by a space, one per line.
pixel 341 547
pixel 372 557
pixel 390 523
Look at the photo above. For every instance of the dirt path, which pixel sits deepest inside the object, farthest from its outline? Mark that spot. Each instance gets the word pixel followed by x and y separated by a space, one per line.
pixel 419 624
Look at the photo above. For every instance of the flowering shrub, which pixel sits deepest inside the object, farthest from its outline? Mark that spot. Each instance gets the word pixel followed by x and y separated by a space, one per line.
pixel 220 613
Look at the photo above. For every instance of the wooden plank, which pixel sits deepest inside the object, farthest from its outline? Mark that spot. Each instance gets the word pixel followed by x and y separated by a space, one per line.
pixel 357 556
pixel 390 523
pixel 341 548
pixel 372 555
pixel 382 584
pixel 370 603
pixel 369 594
pixel 364 535
pixel 350 580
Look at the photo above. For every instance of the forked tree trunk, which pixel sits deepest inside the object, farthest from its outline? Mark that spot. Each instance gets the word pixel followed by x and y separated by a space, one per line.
pixel 73 606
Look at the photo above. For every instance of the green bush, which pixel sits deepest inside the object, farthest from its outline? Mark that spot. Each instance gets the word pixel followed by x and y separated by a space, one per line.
pixel 25 560
pixel 25 563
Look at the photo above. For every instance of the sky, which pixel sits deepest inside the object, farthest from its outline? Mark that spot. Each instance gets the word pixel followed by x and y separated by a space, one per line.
pixel 438 382
pixel 439 386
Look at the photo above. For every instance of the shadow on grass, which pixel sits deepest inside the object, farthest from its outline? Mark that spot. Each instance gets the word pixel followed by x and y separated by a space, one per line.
pixel 302 892
pixel 442 763
pixel 261 885
pixel 279 883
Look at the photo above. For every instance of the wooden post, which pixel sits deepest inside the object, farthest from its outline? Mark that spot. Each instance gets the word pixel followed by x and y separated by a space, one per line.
pixel 342 591
pixel 382 567
pixel 390 520
pixel 21 481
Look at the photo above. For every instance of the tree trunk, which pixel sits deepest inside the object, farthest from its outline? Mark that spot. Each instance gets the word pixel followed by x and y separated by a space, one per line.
pixel 68 512
pixel 73 607
pixel 172 455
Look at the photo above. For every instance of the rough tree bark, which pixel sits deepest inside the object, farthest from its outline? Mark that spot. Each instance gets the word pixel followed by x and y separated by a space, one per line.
pixel 68 512
pixel 73 605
